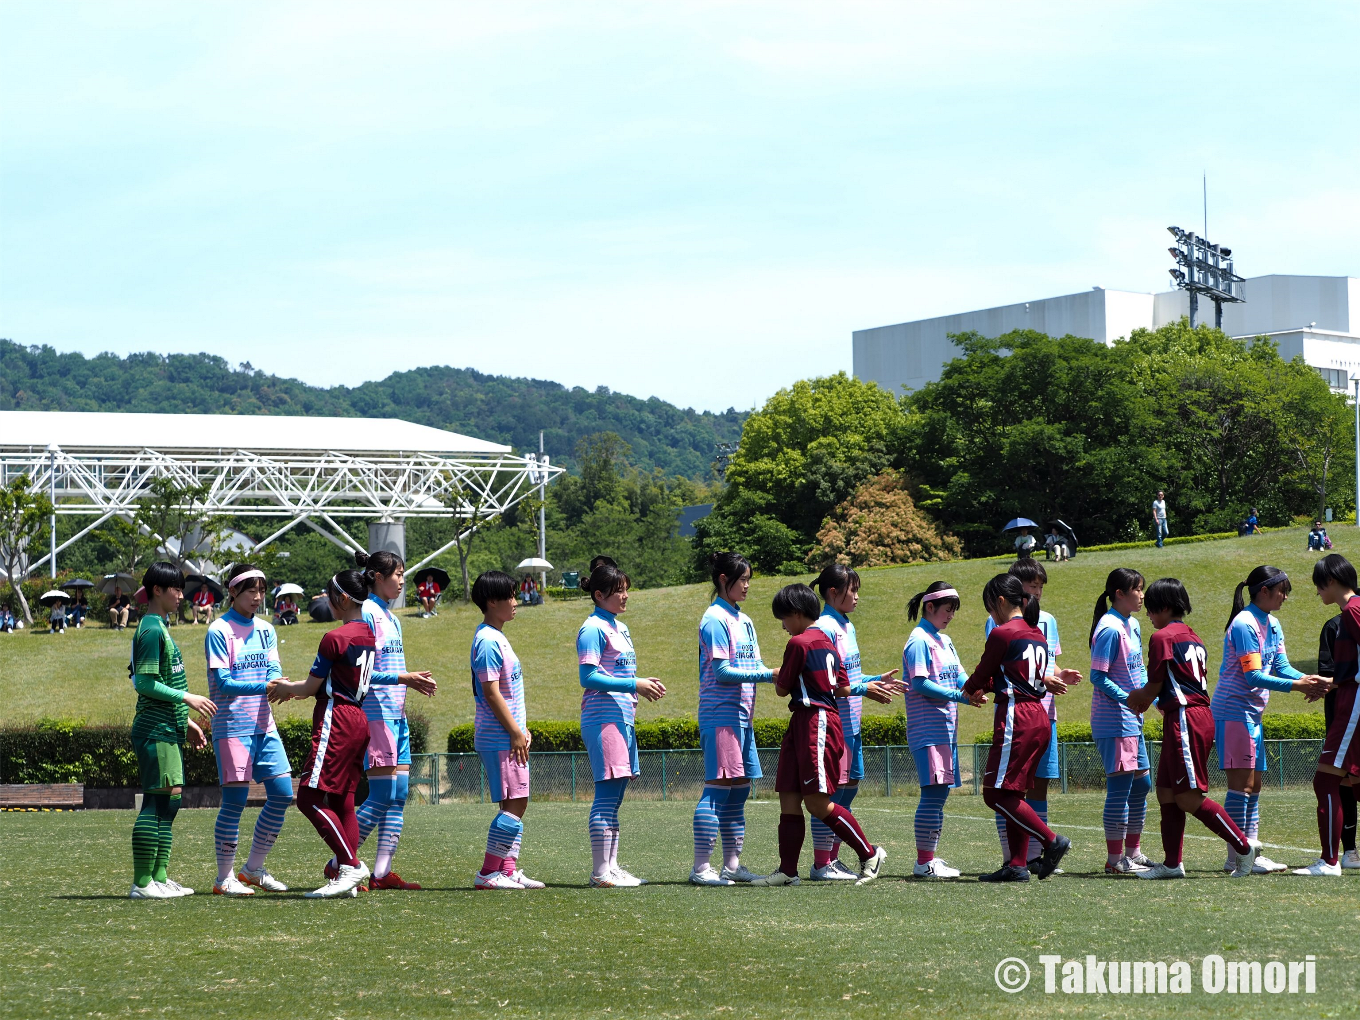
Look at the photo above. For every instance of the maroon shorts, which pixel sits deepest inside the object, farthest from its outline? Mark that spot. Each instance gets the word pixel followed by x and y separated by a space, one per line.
pixel 339 744
pixel 1341 749
pixel 810 757
pixel 1187 735
pixel 1020 736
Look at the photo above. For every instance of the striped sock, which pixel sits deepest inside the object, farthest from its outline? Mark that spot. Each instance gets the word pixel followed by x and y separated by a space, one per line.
pixel 1253 828
pixel 227 829
pixel 1133 833
pixel 706 825
pixel 278 796
pixel 1004 835
pixel 374 807
pixel 604 813
pixel 500 841
pixel 145 838
pixel 1040 807
pixel 845 796
pixel 1116 815
pixel 167 806
pixel 823 839
pixel 511 863
pixel 1235 804
pixel 929 821
pixel 732 824
pixel 390 825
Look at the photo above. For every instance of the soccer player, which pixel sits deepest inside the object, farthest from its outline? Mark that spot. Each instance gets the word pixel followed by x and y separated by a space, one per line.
pixel 1014 665
pixel 1339 764
pixel 243 656
pixel 159 730
pixel 500 732
pixel 1177 683
pixel 389 736
pixel 935 680
pixel 813 748
pixel 1254 664
pixel 611 687
pixel 1350 858
pixel 1116 672
pixel 839 586
pixel 1033 577
pixel 342 676
pixel 729 669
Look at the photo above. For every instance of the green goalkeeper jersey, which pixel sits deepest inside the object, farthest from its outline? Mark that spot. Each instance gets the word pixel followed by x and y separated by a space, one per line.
pixel 158 676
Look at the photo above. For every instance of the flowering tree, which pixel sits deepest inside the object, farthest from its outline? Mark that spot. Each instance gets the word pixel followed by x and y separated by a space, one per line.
pixel 881 524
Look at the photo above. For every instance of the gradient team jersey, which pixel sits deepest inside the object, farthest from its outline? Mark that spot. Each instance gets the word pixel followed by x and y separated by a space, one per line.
pixel 811 672
pixel 1346 647
pixel 1048 626
pixel 1177 658
pixel 1013 666
pixel 386 701
pixel 725 632
pixel 345 661
pixel 248 650
pixel 1253 633
pixel 1116 651
pixel 930 654
pixel 842 634
pixel 495 662
pixel 604 641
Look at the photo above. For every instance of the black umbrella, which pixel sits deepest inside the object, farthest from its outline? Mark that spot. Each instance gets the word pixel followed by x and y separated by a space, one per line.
pixel 320 610
pixel 441 577
pixel 1066 533
pixel 109 581
pixel 196 581
pixel 78 582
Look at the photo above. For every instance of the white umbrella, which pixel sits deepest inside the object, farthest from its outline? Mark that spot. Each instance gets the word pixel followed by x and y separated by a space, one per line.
pixel 534 563
pixel 290 589
pixel 108 581
pixel 51 598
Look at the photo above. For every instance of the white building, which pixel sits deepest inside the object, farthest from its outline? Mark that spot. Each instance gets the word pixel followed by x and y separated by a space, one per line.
pixel 1316 316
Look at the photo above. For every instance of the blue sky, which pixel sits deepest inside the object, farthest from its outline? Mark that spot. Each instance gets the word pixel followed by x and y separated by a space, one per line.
pixel 688 200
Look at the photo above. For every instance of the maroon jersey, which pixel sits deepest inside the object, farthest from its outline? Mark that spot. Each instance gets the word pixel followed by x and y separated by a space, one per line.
pixel 1346 647
pixel 812 671
pixel 345 661
pixel 1013 664
pixel 1177 658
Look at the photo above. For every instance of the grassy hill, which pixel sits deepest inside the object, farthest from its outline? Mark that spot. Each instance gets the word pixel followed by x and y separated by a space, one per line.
pixel 83 674
pixel 679 441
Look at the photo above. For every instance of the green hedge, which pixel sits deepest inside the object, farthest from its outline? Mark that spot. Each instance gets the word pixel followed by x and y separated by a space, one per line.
pixel 678 734
pixel 1274 726
pixel 68 751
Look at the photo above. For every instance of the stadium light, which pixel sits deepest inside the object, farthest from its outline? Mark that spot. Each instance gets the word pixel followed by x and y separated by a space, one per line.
pixel 1208 271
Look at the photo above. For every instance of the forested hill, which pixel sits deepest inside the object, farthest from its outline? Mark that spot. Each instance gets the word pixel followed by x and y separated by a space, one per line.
pixel 679 441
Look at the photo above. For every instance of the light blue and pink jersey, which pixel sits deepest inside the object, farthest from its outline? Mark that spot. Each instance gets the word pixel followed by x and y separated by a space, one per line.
pixel 841 631
pixel 1048 626
pixel 935 679
pixel 1116 651
pixel 725 632
pixel 495 662
pixel 243 656
pixel 1252 631
pixel 386 701
pixel 608 717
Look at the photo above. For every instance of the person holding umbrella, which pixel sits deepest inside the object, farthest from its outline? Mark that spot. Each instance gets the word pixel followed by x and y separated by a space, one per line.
pixel 55 600
pixel 203 604
pixel 119 608
pixel 1024 542
pixel 80 606
pixel 429 583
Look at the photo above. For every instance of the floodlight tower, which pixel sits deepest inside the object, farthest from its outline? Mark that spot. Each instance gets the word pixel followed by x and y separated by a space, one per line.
pixel 1205 268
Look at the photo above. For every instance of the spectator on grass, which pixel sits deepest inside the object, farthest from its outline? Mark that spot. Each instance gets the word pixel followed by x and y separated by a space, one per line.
pixel 427 593
pixel 1317 538
pixel 1159 517
pixel 6 619
pixel 203 602
pixel 119 608
pixel 56 618
pixel 1024 544
pixel 1253 522
pixel 285 611
pixel 80 609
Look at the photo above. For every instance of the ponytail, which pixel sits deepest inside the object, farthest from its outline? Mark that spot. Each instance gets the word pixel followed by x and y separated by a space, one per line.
pixel 1124 579
pixel 1009 588
pixel 1262 577
pixel 347 584
pixel 1031 612
pixel 914 606
pixel 383 561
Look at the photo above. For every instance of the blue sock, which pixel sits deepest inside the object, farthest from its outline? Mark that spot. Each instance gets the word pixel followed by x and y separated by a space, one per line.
pixel 1138 794
pixel 844 797
pixel 1116 815
pixel 1253 827
pixel 501 840
pixel 390 824
pixel 706 824
pixel 278 792
pixel 1040 807
pixel 374 808
pixel 1235 804
pixel 929 821
pixel 227 831
pixel 604 823
pixel 732 824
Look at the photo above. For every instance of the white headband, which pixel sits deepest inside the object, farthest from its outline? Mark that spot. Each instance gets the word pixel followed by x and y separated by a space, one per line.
pixel 943 593
pixel 245 575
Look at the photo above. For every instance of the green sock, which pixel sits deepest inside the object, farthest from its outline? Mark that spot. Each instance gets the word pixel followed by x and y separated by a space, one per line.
pixel 167 807
pixel 145 839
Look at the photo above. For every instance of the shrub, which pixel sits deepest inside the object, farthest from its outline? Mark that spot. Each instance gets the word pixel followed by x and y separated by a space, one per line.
pixel 878 525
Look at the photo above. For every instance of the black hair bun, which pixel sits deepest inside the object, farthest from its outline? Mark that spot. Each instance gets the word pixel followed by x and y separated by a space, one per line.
pixel 361 559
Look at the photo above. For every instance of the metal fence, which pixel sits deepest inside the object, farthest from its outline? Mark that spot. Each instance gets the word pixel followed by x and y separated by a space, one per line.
pixel 888 772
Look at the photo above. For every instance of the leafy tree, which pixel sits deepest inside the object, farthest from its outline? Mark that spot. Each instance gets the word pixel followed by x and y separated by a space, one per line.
pixel 878 525
pixel 746 525
pixel 23 513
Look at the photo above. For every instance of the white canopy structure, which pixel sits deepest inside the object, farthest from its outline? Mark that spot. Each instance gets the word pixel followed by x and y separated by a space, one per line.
pixel 299 470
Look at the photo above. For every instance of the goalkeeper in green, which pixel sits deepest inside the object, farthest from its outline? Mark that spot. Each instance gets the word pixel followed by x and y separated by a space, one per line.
pixel 159 730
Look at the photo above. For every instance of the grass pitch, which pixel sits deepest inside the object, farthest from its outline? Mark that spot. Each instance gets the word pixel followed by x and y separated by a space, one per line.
pixel 83 674
pixel 75 946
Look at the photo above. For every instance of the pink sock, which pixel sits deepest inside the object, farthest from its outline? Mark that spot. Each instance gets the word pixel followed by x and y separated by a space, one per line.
pixel 1133 844
pixel 1114 847
pixel 821 858
pixel 491 864
pixel 925 856
pixel 509 866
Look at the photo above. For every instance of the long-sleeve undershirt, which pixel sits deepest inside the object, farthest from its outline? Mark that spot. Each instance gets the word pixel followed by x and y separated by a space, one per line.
pixel 595 679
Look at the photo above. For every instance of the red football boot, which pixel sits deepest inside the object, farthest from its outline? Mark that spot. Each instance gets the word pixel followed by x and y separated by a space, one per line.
pixel 391 881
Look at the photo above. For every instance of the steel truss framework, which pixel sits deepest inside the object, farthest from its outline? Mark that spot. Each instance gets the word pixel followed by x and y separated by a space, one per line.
pixel 295 487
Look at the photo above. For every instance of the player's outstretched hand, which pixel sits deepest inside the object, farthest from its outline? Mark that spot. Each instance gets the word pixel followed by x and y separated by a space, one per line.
pixel 197 739
pixel 423 682
pixel 203 706
pixel 977 699
pixel 882 692
pixel 651 688
pixel 1068 676
pixel 1054 685
pixel 1139 701
pixel 279 691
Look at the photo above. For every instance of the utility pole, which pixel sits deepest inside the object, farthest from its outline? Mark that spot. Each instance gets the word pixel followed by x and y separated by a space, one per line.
pixel 52 450
pixel 542 514
pixel 1356 380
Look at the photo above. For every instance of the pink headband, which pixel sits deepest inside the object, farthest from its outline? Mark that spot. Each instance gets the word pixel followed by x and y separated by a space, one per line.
pixel 245 575
pixel 943 593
